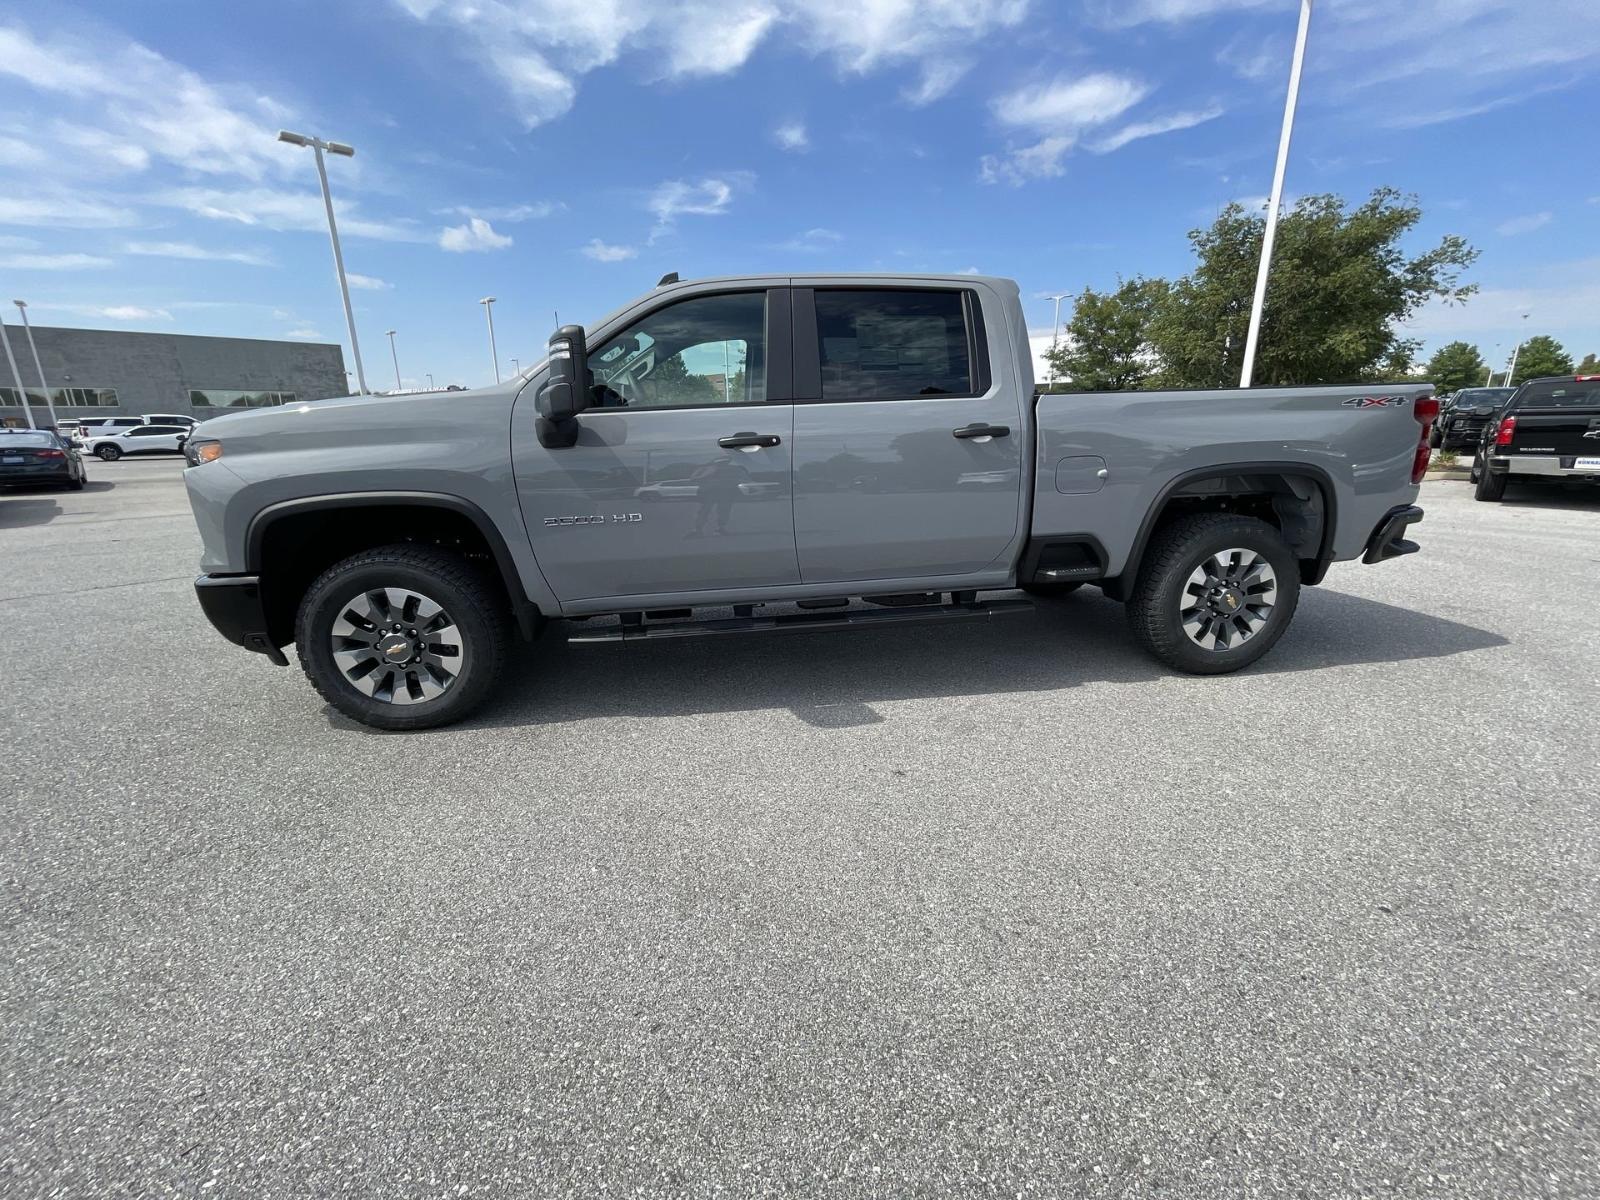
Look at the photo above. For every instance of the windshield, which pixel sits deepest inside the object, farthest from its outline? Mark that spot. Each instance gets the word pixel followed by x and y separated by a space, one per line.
pixel 1476 396
pixel 9 439
pixel 1560 393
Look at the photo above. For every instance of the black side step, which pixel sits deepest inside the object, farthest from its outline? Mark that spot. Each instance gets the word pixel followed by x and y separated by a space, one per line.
pixel 802 622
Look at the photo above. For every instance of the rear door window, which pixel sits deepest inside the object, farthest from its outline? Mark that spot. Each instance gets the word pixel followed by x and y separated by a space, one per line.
pixel 880 344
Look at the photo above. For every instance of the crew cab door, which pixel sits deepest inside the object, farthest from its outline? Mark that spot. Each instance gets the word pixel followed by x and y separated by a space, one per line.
pixel 908 451
pixel 680 478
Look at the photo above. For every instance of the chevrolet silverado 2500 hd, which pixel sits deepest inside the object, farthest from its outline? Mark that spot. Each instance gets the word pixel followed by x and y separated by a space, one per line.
pixel 774 448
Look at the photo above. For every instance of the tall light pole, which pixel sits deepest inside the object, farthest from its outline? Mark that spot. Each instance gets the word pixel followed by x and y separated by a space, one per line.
pixel 488 311
pixel 22 307
pixel 1254 336
pixel 516 365
pixel 394 355
pixel 22 392
pixel 430 379
pixel 1055 336
pixel 1512 372
pixel 318 145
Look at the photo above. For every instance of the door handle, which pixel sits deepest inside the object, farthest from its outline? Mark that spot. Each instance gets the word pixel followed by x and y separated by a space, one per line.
pixel 748 441
pixel 979 430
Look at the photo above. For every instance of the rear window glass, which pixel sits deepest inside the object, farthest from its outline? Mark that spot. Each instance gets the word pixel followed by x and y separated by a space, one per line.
pixel 877 344
pixel 1560 393
pixel 8 439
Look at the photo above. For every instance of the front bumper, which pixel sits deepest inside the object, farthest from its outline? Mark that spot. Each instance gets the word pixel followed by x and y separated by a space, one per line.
pixel 233 604
pixel 1388 539
pixel 1544 464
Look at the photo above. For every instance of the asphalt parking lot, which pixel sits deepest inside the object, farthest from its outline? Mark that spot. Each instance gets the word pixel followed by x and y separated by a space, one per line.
pixel 993 910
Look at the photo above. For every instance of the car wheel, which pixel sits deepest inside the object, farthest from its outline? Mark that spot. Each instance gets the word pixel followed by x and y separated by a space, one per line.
pixel 1436 437
pixel 1050 590
pixel 108 453
pixel 1215 592
pixel 78 484
pixel 1490 485
pixel 403 637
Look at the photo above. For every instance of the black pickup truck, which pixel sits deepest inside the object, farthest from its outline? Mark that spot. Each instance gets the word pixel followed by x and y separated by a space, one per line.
pixel 1463 416
pixel 1550 430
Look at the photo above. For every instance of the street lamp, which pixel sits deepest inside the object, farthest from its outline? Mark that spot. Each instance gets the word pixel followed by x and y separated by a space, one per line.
pixel 516 365
pixel 1055 336
pixel 392 354
pixel 1254 336
pixel 22 307
pixel 318 145
pixel 22 392
pixel 1512 372
pixel 494 355
pixel 430 379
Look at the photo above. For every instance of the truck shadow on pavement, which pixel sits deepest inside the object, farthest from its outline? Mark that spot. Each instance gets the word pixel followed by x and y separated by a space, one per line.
pixel 832 681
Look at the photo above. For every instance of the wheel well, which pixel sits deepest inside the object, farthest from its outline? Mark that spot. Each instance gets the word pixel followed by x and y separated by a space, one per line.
pixel 1296 505
pixel 294 548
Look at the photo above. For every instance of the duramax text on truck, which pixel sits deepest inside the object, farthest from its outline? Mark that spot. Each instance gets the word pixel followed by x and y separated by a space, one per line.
pixel 779 453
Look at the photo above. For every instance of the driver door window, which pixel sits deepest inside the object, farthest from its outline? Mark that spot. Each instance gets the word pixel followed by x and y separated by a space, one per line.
pixel 710 350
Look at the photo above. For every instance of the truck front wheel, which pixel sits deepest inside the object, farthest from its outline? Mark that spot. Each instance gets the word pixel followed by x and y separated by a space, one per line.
pixel 402 637
pixel 1214 593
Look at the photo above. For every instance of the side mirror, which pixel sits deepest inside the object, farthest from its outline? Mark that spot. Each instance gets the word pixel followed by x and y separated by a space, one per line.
pixel 565 393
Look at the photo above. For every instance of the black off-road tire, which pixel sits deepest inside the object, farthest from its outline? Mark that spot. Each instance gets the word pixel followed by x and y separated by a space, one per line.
pixel 1049 591
pixel 1490 485
pixel 473 602
pixel 1156 601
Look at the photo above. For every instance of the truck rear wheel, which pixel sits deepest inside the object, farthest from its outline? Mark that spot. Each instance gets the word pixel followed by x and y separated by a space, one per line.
pixel 1489 485
pixel 1215 592
pixel 402 637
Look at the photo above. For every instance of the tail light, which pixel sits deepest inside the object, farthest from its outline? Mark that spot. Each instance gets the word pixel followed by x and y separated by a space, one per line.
pixel 1426 411
pixel 50 454
pixel 1507 430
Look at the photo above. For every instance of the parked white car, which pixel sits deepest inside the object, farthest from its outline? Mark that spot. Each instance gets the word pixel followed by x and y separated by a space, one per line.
pixel 138 439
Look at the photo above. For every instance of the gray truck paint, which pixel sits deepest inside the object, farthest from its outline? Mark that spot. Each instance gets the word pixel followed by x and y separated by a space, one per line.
pixel 857 493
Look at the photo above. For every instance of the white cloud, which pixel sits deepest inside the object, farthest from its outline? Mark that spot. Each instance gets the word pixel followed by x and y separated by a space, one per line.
pixel 145 107
pixel 1061 110
pixel 367 283
pixel 53 262
pixel 1151 128
pixel 132 312
pixel 188 250
pixel 812 241
pixel 936 78
pixel 1117 14
pixel 305 335
pixel 791 135
pixel 15 152
pixel 476 234
pixel 65 212
pixel 520 42
pixel 708 197
pixel 283 210
pixel 1527 224
pixel 1562 298
pixel 509 214
pixel 606 252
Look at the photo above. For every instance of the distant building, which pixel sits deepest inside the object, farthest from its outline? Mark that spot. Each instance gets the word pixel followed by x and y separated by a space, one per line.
pixel 107 373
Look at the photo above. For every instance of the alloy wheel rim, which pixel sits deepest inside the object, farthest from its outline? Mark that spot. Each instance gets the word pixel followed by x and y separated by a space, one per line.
pixel 397 646
pixel 1228 599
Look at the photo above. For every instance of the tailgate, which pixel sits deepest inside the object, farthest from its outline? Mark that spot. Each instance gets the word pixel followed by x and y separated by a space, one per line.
pixel 1569 433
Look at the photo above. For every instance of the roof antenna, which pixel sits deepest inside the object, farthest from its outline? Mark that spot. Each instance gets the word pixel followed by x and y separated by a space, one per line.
pixel 669 277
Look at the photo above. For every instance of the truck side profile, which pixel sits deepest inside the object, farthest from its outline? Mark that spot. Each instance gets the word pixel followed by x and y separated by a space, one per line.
pixel 773 448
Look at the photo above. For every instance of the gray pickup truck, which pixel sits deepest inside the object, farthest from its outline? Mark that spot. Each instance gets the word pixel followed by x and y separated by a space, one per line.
pixel 777 453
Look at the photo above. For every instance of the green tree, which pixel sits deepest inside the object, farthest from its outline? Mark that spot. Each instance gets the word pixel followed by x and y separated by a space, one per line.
pixel 1340 285
pixel 1589 366
pixel 1541 355
pixel 1456 366
pixel 1107 347
pixel 671 382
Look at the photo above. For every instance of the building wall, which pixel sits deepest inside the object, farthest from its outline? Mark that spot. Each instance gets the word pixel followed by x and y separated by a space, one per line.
pixel 153 372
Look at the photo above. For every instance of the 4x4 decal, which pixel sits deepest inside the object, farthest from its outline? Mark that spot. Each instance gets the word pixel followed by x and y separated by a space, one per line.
pixel 1375 402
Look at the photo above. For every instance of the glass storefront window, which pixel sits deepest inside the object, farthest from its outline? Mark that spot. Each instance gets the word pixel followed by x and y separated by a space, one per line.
pixel 237 398
pixel 73 397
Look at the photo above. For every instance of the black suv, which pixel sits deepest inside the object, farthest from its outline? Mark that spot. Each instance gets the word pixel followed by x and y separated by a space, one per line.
pixel 1465 414
pixel 1549 429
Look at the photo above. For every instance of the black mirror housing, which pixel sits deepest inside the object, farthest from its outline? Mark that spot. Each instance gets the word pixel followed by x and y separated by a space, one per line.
pixel 565 393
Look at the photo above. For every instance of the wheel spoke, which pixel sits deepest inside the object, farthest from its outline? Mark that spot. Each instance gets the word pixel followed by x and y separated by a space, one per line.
pixel 367 647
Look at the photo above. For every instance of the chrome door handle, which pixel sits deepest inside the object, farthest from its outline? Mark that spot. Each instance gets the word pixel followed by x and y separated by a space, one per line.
pixel 748 441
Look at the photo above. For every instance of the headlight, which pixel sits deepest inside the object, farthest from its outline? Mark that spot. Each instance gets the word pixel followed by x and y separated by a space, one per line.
pixel 201 452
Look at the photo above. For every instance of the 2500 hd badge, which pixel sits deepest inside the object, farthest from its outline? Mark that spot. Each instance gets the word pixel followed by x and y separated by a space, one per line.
pixel 597 519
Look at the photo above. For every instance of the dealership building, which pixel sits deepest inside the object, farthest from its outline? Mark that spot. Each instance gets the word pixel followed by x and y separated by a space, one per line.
pixel 106 373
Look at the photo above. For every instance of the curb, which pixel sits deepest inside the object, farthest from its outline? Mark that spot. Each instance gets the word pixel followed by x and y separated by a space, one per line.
pixel 1462 474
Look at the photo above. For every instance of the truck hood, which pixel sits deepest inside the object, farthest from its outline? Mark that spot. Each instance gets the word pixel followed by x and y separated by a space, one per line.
pixel 340 411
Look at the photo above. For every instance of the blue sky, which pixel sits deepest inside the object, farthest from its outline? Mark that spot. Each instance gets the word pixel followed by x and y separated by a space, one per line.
pixel 563 155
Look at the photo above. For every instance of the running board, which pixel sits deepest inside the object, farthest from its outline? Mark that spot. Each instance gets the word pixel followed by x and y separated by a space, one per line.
pixel 802 622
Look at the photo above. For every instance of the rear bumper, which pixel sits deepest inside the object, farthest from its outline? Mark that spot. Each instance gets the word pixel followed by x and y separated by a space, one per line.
pixel 1388 539
pixel 233 604
pixel 21 476
pixel 1543 464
